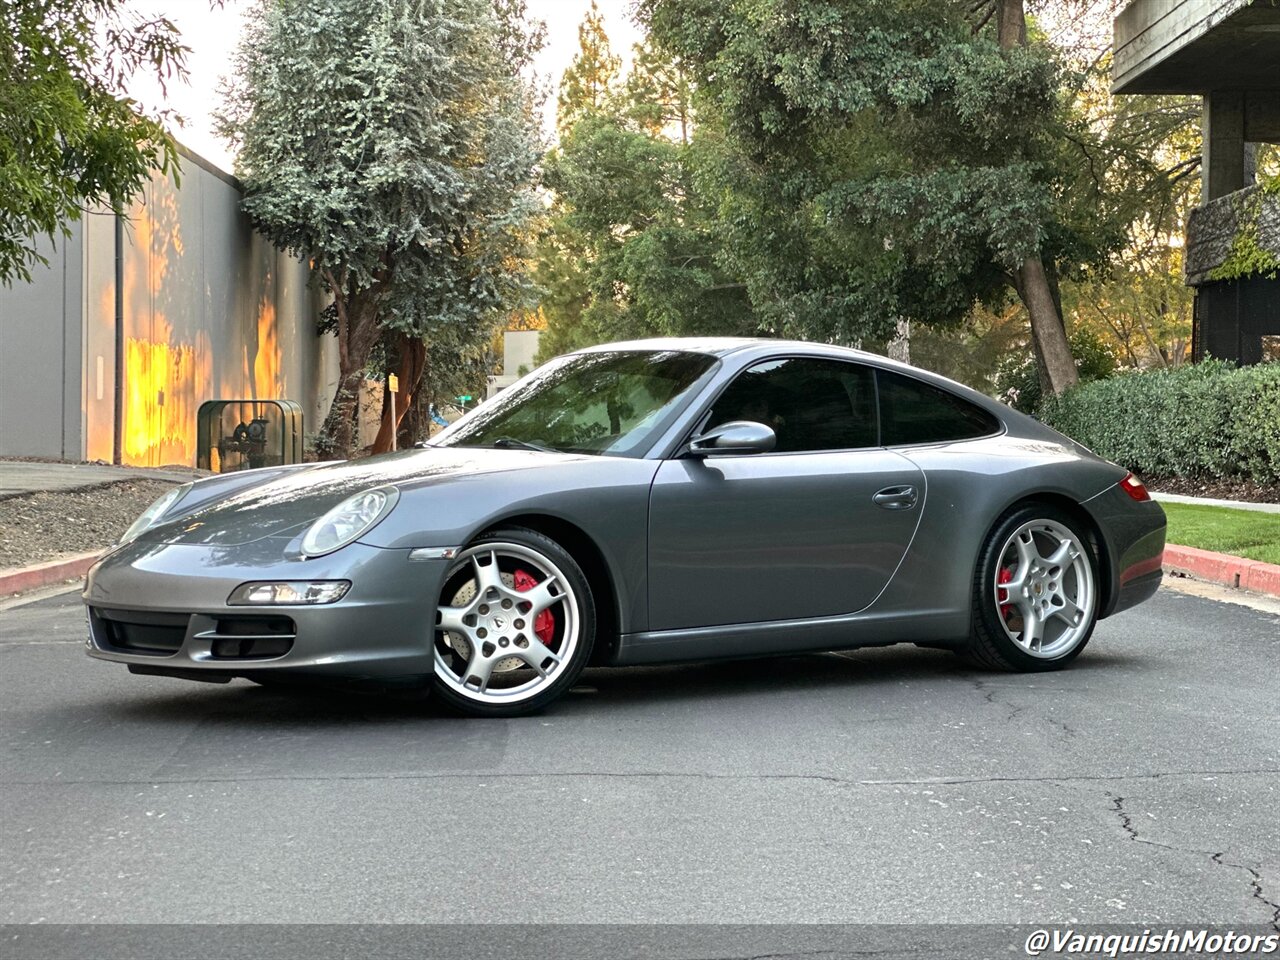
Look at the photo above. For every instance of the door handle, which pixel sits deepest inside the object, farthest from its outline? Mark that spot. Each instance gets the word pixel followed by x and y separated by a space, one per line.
pixel 896 498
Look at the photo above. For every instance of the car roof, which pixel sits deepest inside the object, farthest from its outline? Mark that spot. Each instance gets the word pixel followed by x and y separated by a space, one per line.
pixel 724 346
pixel 719 346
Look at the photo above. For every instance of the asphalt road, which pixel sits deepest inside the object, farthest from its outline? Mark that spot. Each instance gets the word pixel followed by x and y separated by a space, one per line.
pixel 889 785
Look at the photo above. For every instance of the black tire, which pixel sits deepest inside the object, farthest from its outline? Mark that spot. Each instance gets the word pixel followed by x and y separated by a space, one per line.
pixel 990 646
pixel 566 674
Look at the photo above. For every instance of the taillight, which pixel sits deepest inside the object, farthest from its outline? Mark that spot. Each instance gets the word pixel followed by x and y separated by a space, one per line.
pixel 1134 488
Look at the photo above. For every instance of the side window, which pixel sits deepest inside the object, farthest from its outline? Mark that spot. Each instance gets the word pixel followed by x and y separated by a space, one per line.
pixel 912 411
pixel 812 405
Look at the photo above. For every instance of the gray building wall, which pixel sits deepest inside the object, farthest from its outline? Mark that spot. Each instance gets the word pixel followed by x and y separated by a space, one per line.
pixel 40 373
pixel 211 311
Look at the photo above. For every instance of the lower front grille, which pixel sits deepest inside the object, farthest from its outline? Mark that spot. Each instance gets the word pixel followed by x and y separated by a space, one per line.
pixel 142 631
pixel 250 638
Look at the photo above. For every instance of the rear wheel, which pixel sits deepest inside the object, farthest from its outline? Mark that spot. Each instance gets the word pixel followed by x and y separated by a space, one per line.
pixel 514 626
pixel 1035 596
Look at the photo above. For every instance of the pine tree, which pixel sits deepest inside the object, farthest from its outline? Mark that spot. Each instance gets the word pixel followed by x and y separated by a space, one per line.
pixel 588 84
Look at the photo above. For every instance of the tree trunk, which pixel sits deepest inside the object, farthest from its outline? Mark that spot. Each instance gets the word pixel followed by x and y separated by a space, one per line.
pixel 1048 333
pixel 1048 336
pixel 411 353
pixel 357 334
pixel 900 346
pixel 1011 23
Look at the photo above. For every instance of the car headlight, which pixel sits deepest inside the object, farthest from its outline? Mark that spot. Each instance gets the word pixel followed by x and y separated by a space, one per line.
pixel 155 513
pixel 348 520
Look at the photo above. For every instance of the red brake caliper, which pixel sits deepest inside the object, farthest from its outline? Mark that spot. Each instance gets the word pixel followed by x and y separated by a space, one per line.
pixel 544 626
pixel 1002 596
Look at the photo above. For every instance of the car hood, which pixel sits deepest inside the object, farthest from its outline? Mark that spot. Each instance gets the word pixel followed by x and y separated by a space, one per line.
pixel 287 505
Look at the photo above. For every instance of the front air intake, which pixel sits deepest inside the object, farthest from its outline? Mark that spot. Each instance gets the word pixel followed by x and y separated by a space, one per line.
pixel 250 638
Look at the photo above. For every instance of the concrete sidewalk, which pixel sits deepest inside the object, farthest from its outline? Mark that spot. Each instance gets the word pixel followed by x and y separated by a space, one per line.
pixel 21 476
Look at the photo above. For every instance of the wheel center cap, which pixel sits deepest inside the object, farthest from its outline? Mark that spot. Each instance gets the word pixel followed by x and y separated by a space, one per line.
pixel 499 623
pixel 1039 588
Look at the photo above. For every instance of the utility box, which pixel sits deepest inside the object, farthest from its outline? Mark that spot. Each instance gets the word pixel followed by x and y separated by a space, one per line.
pixel 248 434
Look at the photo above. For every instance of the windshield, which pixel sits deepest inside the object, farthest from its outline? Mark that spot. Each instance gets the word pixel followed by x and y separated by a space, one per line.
pixel 604 403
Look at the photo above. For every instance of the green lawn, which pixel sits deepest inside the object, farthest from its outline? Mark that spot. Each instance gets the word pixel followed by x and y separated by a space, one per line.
pixel 1245 533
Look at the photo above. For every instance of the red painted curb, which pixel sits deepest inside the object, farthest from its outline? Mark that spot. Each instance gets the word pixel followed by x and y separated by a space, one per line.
pixel 1224 568
pixel 22 579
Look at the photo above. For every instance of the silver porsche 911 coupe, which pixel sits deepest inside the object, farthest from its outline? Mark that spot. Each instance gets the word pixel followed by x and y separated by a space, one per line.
pixel 638 503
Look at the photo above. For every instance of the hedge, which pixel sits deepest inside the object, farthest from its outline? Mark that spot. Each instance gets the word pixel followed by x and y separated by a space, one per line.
pixel 1205 420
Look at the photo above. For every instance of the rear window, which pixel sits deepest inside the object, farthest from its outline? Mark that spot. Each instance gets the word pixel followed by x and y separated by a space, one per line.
pixel 912 411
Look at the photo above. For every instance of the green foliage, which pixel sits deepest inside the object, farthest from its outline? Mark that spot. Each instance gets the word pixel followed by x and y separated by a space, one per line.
pixel 1246 258
pixel 1138 300
pixel 629 249
pixel 853 162
pixel 650 262
pixel 69 136
pixel 659 95
pixel 880 160
pixel 1203 420
pixel 973 351
pixel 392 145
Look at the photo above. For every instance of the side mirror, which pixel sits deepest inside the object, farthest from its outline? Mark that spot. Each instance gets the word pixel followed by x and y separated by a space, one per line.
pixel 734 437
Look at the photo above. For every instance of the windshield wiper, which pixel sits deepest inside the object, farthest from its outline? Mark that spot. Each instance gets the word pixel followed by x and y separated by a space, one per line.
pixel 511 442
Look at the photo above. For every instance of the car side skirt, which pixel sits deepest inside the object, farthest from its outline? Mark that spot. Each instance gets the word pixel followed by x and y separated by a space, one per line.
pixel 942 627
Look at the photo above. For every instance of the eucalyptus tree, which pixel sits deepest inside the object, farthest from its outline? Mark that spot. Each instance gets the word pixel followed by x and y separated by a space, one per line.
pixel 393 144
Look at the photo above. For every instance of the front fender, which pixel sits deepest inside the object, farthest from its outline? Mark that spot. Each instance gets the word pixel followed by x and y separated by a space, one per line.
pixel 607 498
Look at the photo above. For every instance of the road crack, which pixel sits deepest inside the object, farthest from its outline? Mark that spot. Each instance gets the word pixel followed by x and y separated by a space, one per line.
pixel 1015 710
pixel 1126 823
pixel 1255 882
pixel 1255 877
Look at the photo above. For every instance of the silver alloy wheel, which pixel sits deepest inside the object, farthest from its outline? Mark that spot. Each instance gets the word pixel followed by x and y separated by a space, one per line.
pixel 1044 590
pixel 496 625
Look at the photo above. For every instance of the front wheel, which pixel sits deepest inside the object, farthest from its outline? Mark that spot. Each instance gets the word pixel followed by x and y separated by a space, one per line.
pixel 1035 596
pixel 514 626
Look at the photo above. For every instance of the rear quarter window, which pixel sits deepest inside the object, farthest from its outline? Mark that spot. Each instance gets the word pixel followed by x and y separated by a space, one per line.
pixel 912 411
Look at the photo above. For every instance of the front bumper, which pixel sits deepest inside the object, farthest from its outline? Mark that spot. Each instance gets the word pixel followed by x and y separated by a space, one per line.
pixel 173 599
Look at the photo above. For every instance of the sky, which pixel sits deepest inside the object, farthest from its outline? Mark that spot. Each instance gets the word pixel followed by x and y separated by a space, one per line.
pixel 212 36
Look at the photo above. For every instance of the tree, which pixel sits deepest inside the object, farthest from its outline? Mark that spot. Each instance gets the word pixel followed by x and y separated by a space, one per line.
pixel 1032 280
pixel 588 83
pixel 890 159
pixel 393 146
pixel 659 94
pixel 630 248
pixel 70 137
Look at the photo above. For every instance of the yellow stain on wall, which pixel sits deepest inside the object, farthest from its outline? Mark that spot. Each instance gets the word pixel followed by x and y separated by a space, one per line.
pixel 159 419
pixel 267 383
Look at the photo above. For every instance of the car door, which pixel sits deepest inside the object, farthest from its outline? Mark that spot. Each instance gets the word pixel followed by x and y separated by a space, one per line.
pixel 815 528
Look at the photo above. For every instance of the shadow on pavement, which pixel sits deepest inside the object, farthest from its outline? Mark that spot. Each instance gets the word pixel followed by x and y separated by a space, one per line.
pixel 901 671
